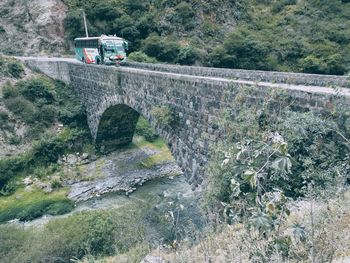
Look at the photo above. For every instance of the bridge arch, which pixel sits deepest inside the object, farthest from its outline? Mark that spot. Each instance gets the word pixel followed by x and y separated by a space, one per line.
pixel 116 127
pixel 116 124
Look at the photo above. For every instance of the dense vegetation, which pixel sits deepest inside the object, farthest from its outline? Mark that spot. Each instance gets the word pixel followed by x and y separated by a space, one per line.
pixel 40 104
pixel 130 230
pixel 289 35
pixel 271 158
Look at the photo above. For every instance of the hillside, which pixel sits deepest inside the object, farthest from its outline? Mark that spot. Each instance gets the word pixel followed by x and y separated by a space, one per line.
pixel 33 27
pixel 291 35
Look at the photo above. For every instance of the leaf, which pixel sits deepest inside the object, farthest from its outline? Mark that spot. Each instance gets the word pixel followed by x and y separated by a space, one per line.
pixel 235 188
pixel 252 177
pixel 282 164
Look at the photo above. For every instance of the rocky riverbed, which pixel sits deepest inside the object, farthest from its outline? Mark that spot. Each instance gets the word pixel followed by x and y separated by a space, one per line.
pixel 120 171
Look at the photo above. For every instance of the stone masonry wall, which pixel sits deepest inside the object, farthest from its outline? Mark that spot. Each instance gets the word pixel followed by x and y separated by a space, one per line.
pixel 252 75
pixel 196 102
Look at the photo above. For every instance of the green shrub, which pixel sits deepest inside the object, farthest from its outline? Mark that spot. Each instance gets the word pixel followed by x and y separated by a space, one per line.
pixel 279 5
pixel 267 152
pixel 38 90
pixel 4 120
pixel 163 115
pixel 162 49
pixel 15 69
pixel 144 129
pixel 184 15
pixel 43 153
pixel 95 233
pixel 22 108
pixel 139 56
pixel 15 140
pixel 9 91
pixel 47 114
pixel 56 184
pixel 188 55
pixel 12 166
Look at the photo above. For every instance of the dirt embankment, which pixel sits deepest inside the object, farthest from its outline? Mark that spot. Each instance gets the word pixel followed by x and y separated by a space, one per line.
pixel 32 27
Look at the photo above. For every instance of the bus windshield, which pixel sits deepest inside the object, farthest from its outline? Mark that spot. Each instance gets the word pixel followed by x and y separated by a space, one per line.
pixel 113 46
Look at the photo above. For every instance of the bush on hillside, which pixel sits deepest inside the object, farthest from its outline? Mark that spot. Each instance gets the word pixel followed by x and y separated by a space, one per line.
pixel 15 69
pixel 9 91
pixel 38 90
pixel 47 114
pixel 139 56
pixel 23 108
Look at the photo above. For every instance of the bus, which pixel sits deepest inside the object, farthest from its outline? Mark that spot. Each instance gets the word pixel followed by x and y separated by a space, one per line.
pixel 108 50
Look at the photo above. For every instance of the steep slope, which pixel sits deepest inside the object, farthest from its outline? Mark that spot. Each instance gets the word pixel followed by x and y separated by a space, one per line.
pixel 32 27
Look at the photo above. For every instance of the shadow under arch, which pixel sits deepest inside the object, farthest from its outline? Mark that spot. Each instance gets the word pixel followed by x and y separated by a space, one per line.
pixel 116 127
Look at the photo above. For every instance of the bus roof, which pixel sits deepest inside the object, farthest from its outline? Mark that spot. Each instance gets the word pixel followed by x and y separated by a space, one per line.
pixel 101 37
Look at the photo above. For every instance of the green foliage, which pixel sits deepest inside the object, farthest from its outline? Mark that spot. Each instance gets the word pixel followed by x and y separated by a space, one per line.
pixel 28 205
pixel 139 56
pixel 34 210
pixel 15 140
pixel 86 233
pixel 160 48
pixel 144 129
pixel 188 55
pixel 38 90
pixel 299 47
pixel 40 101
pixel 163 115
pixel 56 184
pixel 15 69
pixel 242 49
pixel 271 154
pixel 23 108
pixel 160 29
pixel 43 153
pixel 9 91
pixel 47 114
pixel 184 15
pixel 5 121
pixel 10 67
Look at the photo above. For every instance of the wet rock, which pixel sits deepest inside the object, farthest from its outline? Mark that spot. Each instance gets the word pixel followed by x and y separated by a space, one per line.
pixel 27 181
pixel 71 159
pixel 84 156
pixel 48 189
pixel 82 162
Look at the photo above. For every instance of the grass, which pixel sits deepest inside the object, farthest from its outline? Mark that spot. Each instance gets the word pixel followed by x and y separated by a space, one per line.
pixel 84 234
pixel 28 205
pixel 162 156
pixel 156 159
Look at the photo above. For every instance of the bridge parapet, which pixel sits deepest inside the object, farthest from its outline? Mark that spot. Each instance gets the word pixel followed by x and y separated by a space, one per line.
pixel 251 75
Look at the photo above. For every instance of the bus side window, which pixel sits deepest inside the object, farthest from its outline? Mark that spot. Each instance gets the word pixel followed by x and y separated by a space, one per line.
pixel 125 45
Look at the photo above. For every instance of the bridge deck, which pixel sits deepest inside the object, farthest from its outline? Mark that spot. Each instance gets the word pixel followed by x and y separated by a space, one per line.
pixel 166 69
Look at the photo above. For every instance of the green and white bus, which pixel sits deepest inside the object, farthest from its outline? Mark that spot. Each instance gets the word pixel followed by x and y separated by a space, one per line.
pixel 101 50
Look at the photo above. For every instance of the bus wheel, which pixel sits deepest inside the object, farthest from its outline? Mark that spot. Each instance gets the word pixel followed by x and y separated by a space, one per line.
pixel 98 61
pixel 83 60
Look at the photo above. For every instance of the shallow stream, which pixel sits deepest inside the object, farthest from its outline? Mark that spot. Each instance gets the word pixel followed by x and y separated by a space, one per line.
pixel 168 188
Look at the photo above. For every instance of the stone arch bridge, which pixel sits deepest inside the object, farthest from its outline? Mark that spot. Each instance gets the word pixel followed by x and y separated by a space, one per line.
pixel 115 96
